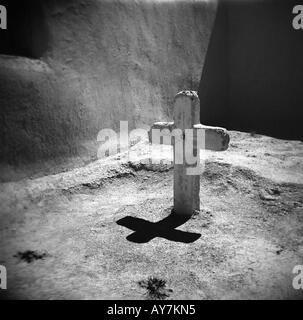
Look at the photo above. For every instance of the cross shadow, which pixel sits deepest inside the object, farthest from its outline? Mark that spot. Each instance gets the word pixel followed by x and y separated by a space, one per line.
pixel 146 230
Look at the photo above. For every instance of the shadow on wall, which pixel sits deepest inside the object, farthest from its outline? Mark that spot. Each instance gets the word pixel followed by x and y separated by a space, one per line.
pixel 27 34
pixel 253 73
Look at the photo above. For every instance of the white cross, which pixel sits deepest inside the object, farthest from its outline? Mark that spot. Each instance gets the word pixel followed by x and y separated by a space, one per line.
pixel 187 116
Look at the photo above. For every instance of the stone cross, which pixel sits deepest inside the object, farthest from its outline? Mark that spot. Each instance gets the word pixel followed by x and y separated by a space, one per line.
pixel 187 116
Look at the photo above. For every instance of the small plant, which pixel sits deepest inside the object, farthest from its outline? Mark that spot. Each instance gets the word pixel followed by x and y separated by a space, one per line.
pixel 30 256
pixel 155 288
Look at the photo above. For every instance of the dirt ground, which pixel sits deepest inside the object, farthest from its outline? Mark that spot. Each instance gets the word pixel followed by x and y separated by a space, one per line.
pixel 62 236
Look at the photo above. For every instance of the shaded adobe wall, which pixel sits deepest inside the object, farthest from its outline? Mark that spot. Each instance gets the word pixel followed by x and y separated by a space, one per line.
pixel 213 88
pixel 259 69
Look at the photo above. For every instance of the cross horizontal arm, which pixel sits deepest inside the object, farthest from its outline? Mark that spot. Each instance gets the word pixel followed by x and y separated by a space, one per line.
pixel 216 138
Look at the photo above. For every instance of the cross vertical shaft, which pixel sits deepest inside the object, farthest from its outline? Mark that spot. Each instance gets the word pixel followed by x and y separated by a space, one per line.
pixel 186 187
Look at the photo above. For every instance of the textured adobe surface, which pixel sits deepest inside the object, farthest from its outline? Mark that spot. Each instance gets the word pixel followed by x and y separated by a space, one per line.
pixel 70 225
